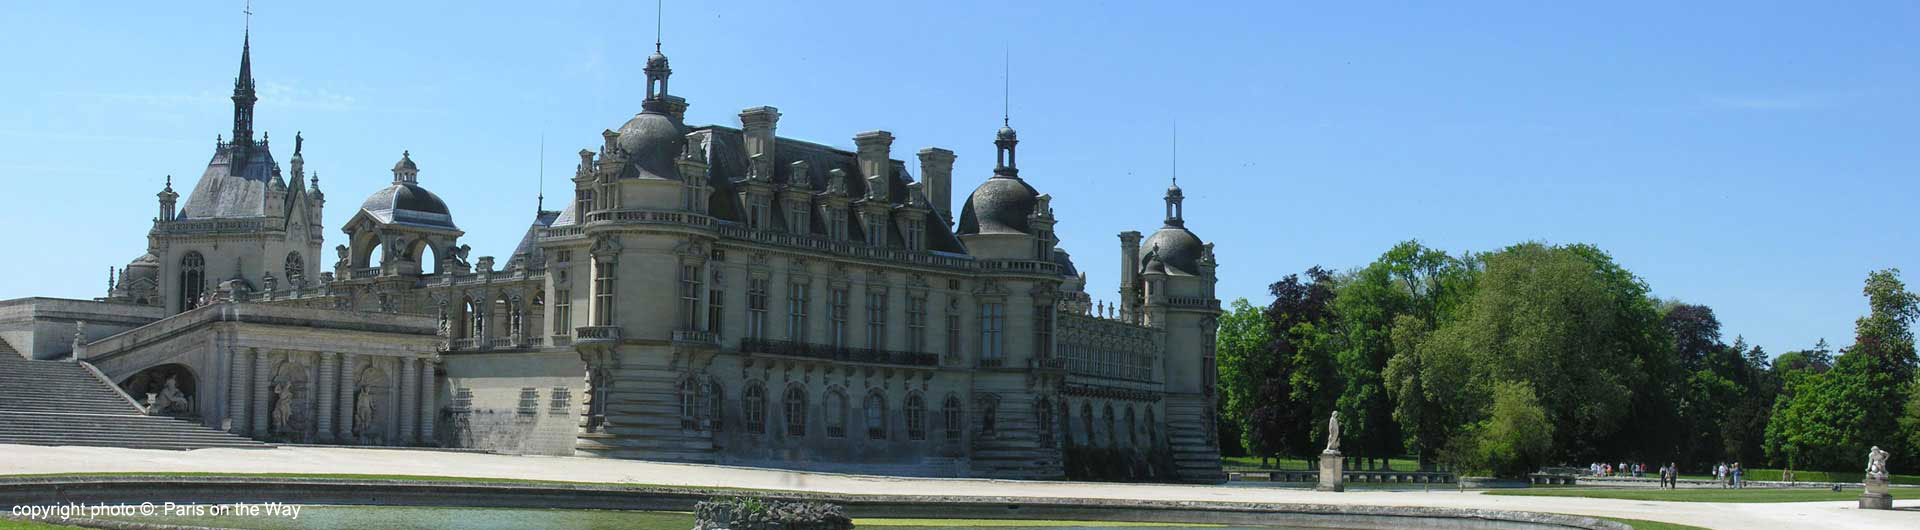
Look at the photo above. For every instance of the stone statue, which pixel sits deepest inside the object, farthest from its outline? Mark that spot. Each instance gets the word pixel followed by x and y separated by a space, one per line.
pixel 283 407
pixel 342 251
pixel 1333 433
pixel 1877 464
pixel 169 400
pixel 460 256
pixel 362 412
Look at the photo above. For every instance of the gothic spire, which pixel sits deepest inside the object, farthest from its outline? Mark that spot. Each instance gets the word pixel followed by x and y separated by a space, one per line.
pixel 243 93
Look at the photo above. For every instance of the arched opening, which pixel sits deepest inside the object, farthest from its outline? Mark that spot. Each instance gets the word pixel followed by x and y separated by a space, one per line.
pixel 689 404
pixel 954 415
pixel 754 403
pixel 1106 419
pixel 916 409
pixel 193 280
pixel 296 269
pixel 714 406
pixel 835 408
pixel 167 389
pixel 796 409
pixel 1132 438
pixel 876 412
pixel 1043 414
pixel 1086 423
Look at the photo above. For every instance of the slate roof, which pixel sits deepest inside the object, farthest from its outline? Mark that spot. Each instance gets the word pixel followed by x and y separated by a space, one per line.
pixel 227 190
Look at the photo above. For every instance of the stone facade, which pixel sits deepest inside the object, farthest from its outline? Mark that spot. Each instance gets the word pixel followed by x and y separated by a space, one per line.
pixel 710 294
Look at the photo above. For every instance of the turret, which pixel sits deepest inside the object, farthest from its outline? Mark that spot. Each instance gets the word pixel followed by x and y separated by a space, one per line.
pixel 167 200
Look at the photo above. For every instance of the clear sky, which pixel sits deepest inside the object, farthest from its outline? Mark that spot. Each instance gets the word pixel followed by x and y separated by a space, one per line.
pixel 1756 157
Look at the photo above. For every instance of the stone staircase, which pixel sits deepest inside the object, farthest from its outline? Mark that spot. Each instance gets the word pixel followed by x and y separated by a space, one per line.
pixel 1195 459
pixel 643 421
pixel 64 403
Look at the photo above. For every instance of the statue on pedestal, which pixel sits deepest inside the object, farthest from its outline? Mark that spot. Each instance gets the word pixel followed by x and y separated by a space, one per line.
pixel 169 400
pixel 1333 433
pixel 1877 464
pixel 282 407
pixel 1877 495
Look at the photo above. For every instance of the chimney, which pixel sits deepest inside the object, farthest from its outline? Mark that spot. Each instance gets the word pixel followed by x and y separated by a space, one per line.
pixel 1129 268
pixel 936 169
pixel 757 125
pixel 875 159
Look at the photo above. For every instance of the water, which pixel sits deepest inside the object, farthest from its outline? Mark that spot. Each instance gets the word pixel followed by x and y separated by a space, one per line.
pixel 317 517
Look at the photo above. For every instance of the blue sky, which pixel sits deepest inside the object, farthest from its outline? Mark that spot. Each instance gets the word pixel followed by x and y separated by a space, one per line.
pixel 1756 157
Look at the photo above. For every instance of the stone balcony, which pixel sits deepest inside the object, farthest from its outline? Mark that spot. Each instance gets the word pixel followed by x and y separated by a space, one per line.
pixel 838 353
pixel 596 335
pixel 695 338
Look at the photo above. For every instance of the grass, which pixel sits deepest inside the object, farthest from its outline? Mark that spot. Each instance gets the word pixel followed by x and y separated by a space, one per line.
pixel 1642 524
pixel 1017 523
pixel 14 524
pixel 1690 495
pixel 1234 463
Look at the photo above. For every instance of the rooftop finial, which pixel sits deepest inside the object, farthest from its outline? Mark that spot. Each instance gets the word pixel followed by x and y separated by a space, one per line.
pixel 540 197
pixel 659 13
pixel 1006 86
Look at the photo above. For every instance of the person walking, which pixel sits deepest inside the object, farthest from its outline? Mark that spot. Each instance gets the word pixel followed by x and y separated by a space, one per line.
pixel 1674 479
pixel 1739 476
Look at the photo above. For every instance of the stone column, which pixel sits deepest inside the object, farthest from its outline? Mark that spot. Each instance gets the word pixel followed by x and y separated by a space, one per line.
pixel 428 400
pixel 348 392
pixel 262 402
pixel 407 394
pixel 324 396
pixel 239 390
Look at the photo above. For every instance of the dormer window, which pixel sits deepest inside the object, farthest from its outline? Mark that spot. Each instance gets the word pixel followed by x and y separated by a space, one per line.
pixel 877 231
pixel 916 232
pixel 797 217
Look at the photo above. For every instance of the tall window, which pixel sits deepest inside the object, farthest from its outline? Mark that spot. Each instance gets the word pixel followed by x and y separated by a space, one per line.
pixel 296 269
pixel 876 408
pixel 582 203
pixel 754 403
pixel 916 324
pixel 916 235
pixel 796 402
pixel 716 314
pixel 798 298
pixel 953 338
pixel 916 417
pixel 837 297
pixel 603 292
pixel 989 417
pixel 1043 331
pixel 1106 418
pixel 562 312
pixel 715 405
pixel 1153 429
pixel 1132 428
pixel 797 217
pixel 877 231
pixel 689 404
pixel 876 319
pixel 836 411
pixel 193 280
pixel 757 208
pixel 757 308
pixel 955 417
pixel 837 224
pixel 1043 413
pixel 993 322
pixel 690 297
pixel 1086 421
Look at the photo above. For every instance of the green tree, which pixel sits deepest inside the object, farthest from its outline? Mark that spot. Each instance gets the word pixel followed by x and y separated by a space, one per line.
pixel 1825 420
pixel 1516 437
pixel 1243 340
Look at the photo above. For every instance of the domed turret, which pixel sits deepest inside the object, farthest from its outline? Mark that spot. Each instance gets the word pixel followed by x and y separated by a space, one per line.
pixel 651 141
pixel 406 202
pixel 1001 205
pixel 1173 249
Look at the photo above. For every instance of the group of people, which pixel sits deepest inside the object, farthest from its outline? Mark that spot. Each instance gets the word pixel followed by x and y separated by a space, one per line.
pixel 1730 476
pixel 1669 473
pixel 1622 470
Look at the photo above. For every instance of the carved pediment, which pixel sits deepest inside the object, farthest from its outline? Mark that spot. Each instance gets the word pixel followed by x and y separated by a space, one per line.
pixel 605 247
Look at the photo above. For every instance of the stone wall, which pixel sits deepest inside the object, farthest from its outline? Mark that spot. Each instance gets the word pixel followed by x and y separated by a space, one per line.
pixel 42 328
pixel 482 404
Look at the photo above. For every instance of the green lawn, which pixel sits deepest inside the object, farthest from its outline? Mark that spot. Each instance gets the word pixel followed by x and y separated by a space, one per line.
pixel 1690 495
pixel 1013 523
pixel 1294 464
pixel 1640 524
pixel 10 524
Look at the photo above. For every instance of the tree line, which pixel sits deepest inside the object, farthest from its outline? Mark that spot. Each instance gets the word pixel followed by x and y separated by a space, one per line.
pixel 1538 354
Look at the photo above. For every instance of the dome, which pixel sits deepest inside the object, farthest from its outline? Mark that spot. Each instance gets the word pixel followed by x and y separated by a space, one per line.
pixel 405 163
pixel 1000 205
pixel 657 60
pixel 1175 248
pixel 652 141
pixel 1007 133
pixel 408 203
pixel 146 266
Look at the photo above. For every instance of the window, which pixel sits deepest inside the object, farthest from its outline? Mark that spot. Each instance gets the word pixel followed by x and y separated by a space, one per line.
pixel 797 217
pixel 689 404
pixel 757 212
pixel 193 280
pixel 877 231
pixel 796 402
pixel 836 411
pixel 876 408
pixel 1086 421
pixel 916 324
pixel 563 256
pixel 953 338
pixel 1106 419
pixel 757 308
pixel 798 298
pixel 477 319
pixel 690 297
pixel 989 413
pixel 1043 331
pixel 993 321
pixel 916 417
pixel 715 406
pixel 955 416
pixel 582 203
pixel 529 401
pixel 603 292
pixel 1043 413
pixel 562 312
pixel 837 224
pixel 876 319
pixel 1153 430
pixel 562 400
pixel 837 298
pixel 691 194
pixel 716 315
pixel 754 401
pixel 916 235
pixel 296 269
pixel 1132 439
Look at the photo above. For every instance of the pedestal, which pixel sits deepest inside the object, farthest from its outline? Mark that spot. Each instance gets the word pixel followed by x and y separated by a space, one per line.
pixel 1876 497
pixel 1331 476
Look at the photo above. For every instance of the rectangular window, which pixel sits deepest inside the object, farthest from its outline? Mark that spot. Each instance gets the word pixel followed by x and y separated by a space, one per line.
pixel 953 338
pixel 916 235
pixel 837 299
pixel 797 222
pixel 716 315
pixel 916 324
pixel 690 297
pixel 837 224
pixel 582 203
pixel 993 321
pixel 562 312
pixel 563 256
pixel 562 400
pixel 876 319
pixel 1043 331
pixel 529 401
pixel 603 293
pixel 757 308
pixel 797 299
pixel 877 231
pixel 757 213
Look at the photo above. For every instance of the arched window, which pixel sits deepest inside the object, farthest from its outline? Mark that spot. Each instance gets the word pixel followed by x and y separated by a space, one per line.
pixel 796 402
pixel 714 406
pixel 836 411
pixel 193 280
pixel 916 417
pixel 1153 430
pixel 296 269
pixel 476 318
pixel 955 416
pixel 1043 413
pixel 754 400
pixel 1106 418
pixel 1086 421
pixel 989 413
pixel 1132 438
pixel 689 404
pixel 876 408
